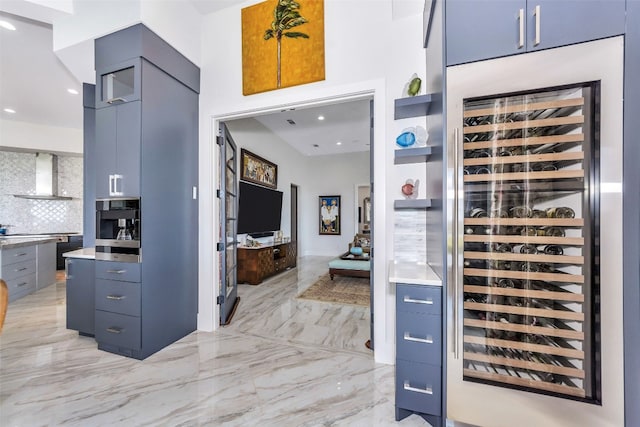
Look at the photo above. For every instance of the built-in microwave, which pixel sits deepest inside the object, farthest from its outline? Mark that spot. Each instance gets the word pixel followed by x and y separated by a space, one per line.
pixel 118 230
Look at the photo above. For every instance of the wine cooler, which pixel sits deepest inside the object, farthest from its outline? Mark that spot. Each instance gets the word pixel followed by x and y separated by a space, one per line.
pixel 530 277
pixel 534 287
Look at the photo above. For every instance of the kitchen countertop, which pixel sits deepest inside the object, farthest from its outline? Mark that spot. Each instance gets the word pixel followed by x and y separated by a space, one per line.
pixel 413 273
pixel 86 253
pixel 20 241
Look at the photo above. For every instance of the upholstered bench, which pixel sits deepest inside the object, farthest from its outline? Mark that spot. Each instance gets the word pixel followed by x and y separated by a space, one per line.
pixel 349 267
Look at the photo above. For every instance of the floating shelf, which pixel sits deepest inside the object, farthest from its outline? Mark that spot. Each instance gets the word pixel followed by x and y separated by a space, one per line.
pixel 412 155
pixel 412 204
pixel 414 106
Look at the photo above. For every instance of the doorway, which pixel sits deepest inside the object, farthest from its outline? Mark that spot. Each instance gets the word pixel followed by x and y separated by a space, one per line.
pixel 294 218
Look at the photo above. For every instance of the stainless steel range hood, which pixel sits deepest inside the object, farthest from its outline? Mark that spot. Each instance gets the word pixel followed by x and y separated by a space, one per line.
pixel 46 179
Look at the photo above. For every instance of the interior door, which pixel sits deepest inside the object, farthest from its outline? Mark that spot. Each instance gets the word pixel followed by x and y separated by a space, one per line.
pixel 227 248
pixel 503 336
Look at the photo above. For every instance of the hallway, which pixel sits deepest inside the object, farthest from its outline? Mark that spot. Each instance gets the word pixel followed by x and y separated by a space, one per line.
pixel 281 362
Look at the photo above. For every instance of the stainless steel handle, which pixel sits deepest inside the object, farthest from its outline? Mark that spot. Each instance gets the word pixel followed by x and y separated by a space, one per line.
pixel 114 330
pixel 408 299
pixel 408 337
pixel 22 284
pixel 20 269
pixel 117 192
pixel 111 190
pixel 521 27
pixel 428 390
pixel 536 13
pixel 21 254
pixel 112 100
pixel 116 297
pixel 454 264
pixel 117 271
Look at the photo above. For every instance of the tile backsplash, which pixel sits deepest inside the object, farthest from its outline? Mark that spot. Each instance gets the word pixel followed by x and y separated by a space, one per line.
pixel 409 237
pixel 18 176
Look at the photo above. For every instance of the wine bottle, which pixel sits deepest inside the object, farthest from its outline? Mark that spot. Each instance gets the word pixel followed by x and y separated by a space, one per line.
pixel 553 250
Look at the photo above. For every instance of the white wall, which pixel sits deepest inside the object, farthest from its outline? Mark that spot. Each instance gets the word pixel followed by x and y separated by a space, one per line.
pixel 29 136
pixel 315 176
pixel 367 53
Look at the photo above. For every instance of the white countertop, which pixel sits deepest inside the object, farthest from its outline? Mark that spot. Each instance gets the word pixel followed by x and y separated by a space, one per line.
pixel 19 241
pixel 86 253
pixel 413 273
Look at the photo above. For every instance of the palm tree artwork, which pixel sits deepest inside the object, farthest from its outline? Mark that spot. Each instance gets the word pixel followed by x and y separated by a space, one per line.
pixel 286 16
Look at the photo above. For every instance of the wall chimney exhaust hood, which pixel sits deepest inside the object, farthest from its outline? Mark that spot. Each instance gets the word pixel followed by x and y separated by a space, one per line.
pixel 46 179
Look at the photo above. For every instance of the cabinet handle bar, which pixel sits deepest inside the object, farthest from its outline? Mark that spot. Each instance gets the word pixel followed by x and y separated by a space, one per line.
pixel 428 340
pixel 114 330
pixel 112 100
pixel 117 271
pixel 536 13
pixel 116 297
pixel 428 301
pixel 408 387
pixel 521 28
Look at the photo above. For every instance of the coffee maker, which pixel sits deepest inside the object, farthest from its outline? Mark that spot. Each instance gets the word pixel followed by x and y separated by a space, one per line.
pixel 118 230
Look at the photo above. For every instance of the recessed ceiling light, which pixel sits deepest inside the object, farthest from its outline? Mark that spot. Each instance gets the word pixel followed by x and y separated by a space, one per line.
pixel 320 117
pixel 72 91
pixel 9 110
pixel 7 26
pixel 316 145
pixel 338 143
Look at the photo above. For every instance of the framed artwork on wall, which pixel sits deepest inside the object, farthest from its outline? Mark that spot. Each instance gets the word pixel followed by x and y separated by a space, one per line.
pixel 260 171
pixel 329 215
pixel 282 44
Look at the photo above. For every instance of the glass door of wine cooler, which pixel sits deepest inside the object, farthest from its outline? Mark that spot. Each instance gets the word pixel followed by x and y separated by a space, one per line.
pixel 530 264
pixel 533 278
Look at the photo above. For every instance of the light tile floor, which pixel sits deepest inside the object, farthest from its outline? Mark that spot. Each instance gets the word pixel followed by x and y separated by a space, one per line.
pixel 282 362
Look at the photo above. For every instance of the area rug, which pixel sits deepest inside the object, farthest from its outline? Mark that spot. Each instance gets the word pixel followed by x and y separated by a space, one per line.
pixel 340 290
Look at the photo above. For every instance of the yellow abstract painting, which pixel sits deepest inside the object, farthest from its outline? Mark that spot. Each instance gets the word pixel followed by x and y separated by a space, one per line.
pixel 282 44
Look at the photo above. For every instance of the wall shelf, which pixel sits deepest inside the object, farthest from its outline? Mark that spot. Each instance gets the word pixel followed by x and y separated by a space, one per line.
pixel 412 204
pixel 414 106
pixel 412 155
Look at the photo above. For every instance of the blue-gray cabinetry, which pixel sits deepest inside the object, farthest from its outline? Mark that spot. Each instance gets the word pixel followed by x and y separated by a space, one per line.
pixel 147 137
pixel 482 29
pixel 118 131
pixel 419 352
pixel 80 295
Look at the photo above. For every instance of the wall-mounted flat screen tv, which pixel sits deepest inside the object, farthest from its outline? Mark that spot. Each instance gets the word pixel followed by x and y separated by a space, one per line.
pixel 259 209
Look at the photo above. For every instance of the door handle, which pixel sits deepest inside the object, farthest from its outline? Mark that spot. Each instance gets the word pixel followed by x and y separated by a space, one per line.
pixel 454 265
pixel 112 100
pixel 521 28
pixel 536 13
pixel 117 192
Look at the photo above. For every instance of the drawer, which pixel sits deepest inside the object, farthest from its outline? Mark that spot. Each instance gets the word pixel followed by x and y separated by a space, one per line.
pixel 419 337
pixel 118 297
pixel 418 387
pixel 123 271
pixel 21 286
pixel 419 299
pixel 117 329
pixel 18 269
pixel 13 255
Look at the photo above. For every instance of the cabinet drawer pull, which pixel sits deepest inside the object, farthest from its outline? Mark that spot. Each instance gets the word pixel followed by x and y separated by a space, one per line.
pixel 536 13
pixel 21 254
pixel 117 271
pixel 114 330
pixel 521 28
pixel 116 297
pixel 112 100
pixel 427 390
pixel 20 269
pixel 22 284
pixel 417 301
pixel 427 340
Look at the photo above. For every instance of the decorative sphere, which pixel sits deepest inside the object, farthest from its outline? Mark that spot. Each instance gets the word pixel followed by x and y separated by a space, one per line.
pixel 356 250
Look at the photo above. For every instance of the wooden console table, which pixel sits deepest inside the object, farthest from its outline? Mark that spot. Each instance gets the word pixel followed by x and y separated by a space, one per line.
pixel 256 264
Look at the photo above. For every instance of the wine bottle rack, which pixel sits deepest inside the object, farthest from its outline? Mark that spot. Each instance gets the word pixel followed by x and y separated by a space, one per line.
pixel 529 297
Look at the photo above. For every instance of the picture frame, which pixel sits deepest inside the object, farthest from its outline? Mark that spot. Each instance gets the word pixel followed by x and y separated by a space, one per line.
pixel 258 170
pixel 329 215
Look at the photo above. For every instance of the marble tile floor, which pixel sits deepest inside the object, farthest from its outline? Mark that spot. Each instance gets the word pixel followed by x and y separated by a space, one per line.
pixel 282 362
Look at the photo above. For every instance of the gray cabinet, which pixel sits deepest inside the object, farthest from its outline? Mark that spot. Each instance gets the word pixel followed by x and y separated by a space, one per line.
pixel 117 151
pixel 80 295
pixel 419 352
pixel 147 147
pixel 482 29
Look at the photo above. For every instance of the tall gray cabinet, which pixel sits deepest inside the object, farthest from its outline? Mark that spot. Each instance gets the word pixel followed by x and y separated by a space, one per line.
pixel 146 147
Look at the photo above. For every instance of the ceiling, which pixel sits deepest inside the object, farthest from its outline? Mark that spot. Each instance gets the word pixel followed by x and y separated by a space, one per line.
pixel 35 83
